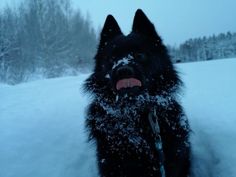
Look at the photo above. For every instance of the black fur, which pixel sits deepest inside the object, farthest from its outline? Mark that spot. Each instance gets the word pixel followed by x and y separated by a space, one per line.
pixel 118 119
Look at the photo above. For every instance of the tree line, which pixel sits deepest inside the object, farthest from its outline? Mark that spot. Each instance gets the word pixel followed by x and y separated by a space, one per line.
pixel 205 48
pixel 46 38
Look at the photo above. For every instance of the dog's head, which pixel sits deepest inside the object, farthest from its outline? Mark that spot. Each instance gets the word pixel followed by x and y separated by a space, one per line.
pixel 131 65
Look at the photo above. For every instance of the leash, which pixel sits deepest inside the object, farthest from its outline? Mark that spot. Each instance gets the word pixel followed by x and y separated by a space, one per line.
pixel 153 120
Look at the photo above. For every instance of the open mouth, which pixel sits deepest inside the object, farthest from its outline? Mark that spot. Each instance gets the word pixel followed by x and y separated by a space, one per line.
pixel 128 83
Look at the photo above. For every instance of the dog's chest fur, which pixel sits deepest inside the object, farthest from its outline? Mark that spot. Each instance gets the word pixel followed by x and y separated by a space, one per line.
pixel 125 126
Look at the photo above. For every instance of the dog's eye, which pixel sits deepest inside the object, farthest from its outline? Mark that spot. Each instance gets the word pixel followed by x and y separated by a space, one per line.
pixel 140 57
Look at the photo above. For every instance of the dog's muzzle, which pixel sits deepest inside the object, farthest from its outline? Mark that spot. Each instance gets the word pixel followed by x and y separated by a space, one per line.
pixel 126 78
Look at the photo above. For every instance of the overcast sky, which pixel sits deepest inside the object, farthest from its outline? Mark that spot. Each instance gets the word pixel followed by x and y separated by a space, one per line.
pixel 175 20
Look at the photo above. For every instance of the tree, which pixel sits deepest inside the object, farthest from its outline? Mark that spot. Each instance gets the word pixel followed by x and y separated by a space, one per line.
pixel 207 48
pixel 44 36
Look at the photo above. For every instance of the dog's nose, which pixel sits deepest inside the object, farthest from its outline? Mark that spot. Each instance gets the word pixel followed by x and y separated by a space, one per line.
pixel 124 71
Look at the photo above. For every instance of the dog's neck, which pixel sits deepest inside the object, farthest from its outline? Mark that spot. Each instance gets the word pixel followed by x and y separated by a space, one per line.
pixel 131 106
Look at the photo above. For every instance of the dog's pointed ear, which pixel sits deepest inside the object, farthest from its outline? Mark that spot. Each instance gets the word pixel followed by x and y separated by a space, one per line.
pixel 110 30
pixel 142 25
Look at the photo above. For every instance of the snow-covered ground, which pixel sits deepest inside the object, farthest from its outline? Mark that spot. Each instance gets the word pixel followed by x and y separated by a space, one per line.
pixel 42 124
pixel 209 100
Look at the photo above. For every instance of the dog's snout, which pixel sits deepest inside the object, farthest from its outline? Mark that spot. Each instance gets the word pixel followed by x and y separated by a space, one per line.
pixel 124 71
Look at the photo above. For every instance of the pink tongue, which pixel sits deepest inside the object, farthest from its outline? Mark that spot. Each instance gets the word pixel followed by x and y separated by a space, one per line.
pixel 130 82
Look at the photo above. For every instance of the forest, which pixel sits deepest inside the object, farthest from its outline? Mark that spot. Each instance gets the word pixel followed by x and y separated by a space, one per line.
pixel 44 38
pixel 218 46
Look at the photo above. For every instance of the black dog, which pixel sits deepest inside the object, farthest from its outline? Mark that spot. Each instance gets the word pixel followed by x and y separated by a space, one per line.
pixel 139 127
